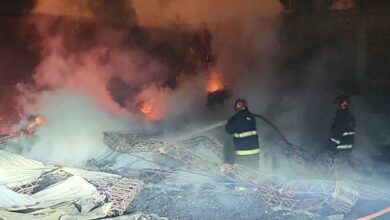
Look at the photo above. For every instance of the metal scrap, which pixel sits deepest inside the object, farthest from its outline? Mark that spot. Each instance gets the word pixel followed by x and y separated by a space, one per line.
pixel 297 196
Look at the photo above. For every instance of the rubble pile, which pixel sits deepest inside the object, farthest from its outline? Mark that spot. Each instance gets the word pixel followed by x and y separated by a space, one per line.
pixel 176 178
pixel 313 197
pixel 31 189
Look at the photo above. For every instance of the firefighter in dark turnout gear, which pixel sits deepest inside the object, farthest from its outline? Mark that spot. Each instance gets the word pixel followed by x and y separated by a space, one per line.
pixel 343 126
pixel 242 126
pixel 342 131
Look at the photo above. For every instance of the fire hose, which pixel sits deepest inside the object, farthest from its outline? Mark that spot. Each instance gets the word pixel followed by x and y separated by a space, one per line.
pixel 376 214
pixel 288 143
pixel 292 150
pixel 221 123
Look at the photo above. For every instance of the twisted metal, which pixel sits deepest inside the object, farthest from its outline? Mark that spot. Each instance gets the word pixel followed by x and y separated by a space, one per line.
pixel 28 188
pixel 300 195
pixel 119 191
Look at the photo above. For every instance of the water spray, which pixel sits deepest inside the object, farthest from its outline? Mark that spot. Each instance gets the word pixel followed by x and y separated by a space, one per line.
pixel 221 123
pixel 202 130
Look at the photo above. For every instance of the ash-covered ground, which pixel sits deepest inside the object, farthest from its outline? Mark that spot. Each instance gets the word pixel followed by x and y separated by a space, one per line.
pixel 176 190
pixel 214 199
pixel 190 201
pixel 205 204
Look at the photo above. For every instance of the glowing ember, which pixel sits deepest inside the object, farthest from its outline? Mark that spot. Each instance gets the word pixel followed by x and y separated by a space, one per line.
pixel 146 108
pixel 215 82
pixel 151 110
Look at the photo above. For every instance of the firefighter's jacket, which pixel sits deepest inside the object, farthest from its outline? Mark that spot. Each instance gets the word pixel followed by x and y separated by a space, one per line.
pixel 343 130
pixel 242 126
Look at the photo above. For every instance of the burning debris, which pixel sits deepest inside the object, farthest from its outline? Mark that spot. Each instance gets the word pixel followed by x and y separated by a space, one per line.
pixel 26 128
pixel 33 123
pixel 217 89
pixel 147 109
pixel 215 82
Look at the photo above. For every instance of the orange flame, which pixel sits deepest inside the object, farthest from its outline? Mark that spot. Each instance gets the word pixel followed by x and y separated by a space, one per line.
pixel 215 82
pixel 150 111
pixel 39 120
pixel 146 108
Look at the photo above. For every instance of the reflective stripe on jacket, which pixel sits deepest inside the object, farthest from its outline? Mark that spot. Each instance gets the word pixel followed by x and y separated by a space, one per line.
pixel 247 152
pixel 343 130
pixel 242 126
pixel 244 134
pixel 344 147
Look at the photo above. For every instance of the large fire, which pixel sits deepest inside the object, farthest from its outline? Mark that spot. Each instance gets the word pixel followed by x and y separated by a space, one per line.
pixel 215 82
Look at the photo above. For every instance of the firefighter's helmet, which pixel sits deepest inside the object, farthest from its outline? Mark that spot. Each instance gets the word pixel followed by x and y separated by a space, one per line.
pixel 342 101
pixel 240 104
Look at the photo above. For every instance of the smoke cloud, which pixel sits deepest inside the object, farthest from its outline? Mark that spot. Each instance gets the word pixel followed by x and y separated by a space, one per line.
pixel 243 38
pixel 102 67
pixel 117 12
pixel 73 129
pixel 121 78
pixel 244 34
pixel 72 84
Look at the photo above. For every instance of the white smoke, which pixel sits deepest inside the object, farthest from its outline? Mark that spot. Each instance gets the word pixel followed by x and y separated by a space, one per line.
pixel 73 128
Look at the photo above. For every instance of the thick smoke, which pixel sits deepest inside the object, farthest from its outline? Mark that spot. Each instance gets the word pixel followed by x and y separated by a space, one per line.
pixel 73 129
pixel 248 47
pixel 71 82
pixel 244 42
pixel 244 45
pixel 246 51
pixel 244 34
pixel 343 4
pixel 117 12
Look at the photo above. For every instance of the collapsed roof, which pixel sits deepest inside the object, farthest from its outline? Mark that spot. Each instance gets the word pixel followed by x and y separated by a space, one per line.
pixel 31 189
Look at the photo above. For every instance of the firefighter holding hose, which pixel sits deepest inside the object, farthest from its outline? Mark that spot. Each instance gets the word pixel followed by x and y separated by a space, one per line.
pixel 242 126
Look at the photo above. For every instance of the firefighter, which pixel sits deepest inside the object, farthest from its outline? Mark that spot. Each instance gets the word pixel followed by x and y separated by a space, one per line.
pixel 242 126
pixel 343 126
pixel 342 130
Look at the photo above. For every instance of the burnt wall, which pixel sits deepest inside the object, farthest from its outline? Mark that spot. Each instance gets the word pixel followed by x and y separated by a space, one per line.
pixel 8 112
pixel 16 7
pixel 377 47
pixel 358 40
pixel 18 57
